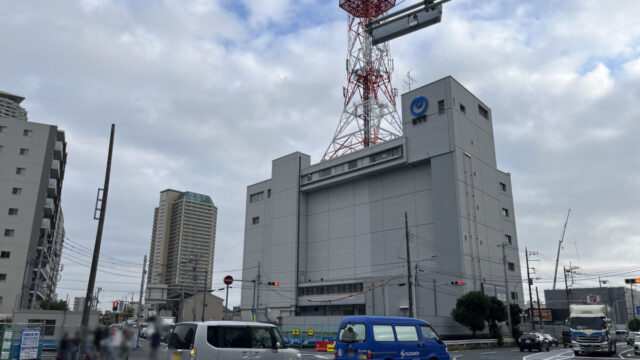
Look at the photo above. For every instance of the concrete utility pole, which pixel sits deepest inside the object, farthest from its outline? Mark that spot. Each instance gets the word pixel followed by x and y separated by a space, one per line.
pixel 253 306
pixel 435 299
pixel 181 315
pixel 204 293
pixel 96 249
pixel 409 282
pixel 539 311
pixel 195 287
pixel 258 283
pixel 506 286
pixel 144 272
pixel 564 229
pixel 566 285
pixel 533 324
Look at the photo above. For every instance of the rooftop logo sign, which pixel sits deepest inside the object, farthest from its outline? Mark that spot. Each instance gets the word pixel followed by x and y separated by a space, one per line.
pixel 419 106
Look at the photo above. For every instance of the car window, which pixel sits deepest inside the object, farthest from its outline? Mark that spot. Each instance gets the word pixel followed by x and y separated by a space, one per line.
pixel 261 338
pixel 383 333
pixel 229 336
pixel 406 333
pixel 352 333
pixel 278 337
pixel 428 332
pixel 182 337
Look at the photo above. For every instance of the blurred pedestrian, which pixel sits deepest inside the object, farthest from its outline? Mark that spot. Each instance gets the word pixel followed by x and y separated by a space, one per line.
pixel 75 345
pixel 155 344
pixel 65 348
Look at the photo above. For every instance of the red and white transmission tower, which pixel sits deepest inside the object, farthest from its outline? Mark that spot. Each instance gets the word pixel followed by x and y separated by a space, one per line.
pixel 369 115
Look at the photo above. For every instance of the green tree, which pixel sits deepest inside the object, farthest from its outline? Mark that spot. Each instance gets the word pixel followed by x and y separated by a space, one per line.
pixel 471 310
pixel 634 325
pixel 55 305
pixel 516 319
pixel 496 313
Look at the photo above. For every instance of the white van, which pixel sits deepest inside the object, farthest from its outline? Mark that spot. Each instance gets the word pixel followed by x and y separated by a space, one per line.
pixel 222 340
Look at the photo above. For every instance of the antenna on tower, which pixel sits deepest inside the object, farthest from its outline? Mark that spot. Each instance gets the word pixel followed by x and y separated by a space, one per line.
pixel 369 115
pixel 408 81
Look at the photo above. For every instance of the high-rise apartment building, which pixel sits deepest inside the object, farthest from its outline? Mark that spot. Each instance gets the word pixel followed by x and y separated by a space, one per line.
pixel 333 235
pixel 32 164
pixel 183 237
pixel 78 303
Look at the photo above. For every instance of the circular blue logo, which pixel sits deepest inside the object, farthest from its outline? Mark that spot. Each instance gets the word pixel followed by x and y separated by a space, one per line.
pixel 419 105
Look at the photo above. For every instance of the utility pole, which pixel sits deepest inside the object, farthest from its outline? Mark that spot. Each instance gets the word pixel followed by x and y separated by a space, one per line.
pixel 633 302
pixel 409 282
pixel 564 228
pixel 506 286
pixel 181 317
pixel 566 286
pixel 415 291
pixel 539 311
pixel 435 300
pixel 533 324
pixel 253 306
pixel 144 272
pixel 204 293
pixel 96 249
pixel 258 283
pixel 195 287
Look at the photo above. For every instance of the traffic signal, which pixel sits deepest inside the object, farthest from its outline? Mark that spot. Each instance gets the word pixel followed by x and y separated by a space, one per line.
pixel 115 306
pixel 632 281
pixel 457 283
pixel 273 283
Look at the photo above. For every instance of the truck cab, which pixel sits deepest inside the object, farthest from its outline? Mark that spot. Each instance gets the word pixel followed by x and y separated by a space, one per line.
pixel 592 330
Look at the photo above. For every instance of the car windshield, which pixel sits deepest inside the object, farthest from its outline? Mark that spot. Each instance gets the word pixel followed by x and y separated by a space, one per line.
pixel 351 333
pixel 587 323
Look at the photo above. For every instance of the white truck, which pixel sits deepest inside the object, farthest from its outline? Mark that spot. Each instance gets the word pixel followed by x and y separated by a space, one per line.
pixel 592 329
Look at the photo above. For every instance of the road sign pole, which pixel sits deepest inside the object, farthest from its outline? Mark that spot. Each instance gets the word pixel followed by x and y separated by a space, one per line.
pixel 228 280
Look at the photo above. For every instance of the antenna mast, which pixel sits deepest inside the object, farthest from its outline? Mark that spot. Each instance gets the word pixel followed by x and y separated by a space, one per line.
pixel 564 228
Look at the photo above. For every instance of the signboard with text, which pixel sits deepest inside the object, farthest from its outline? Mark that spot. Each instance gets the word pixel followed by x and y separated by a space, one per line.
pixel 5 344
pixel 546 315
pixel 593 299
pixel 29 344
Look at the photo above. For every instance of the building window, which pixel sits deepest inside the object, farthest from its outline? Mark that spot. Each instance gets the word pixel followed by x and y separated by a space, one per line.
pixel 1 147
pixel 352 164
pixel 503 186
pixel 256 197
pixel 325 172
pixel 508 239
pixel 441 107
pixel 5 254
pixel 514 295
pixel 9 232
pixel 13 211
pixel 483 112
pixel 24 151
pixel 3 277
pixel 16 191
pixel 27 132
pixel 505 212
pixel 3 129
pixel 463 109
pixel 20 171
pixel 268 193
pixel 511 266
pixel 255 220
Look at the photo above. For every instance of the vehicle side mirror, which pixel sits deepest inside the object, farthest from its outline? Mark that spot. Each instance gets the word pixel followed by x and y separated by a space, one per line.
pixel 277 345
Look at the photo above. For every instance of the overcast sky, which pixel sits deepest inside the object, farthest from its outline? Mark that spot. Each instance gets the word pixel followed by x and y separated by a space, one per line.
pixel 205 93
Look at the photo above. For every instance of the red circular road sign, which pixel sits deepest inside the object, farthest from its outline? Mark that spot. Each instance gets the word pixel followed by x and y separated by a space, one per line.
pixel 228 280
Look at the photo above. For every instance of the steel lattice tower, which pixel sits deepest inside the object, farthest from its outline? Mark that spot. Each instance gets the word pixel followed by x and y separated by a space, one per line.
pixel 369 115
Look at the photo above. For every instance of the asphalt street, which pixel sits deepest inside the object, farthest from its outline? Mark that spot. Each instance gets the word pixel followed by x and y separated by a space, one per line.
pixel 556 353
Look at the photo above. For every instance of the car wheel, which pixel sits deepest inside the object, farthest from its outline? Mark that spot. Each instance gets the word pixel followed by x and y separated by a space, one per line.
pixel 521 350
pixel 576 353
pixel 548 347
pixel 529 349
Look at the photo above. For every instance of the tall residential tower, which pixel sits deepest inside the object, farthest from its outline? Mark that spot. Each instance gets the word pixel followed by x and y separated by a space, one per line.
pixel 183 235
pixel 32 162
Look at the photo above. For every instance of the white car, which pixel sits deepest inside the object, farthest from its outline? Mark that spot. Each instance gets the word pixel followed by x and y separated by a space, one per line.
pixel 636 345
pixel 224 340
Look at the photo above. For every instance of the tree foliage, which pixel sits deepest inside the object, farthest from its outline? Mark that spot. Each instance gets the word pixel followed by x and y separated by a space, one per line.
pixel 55 305
pixel 471 310
pixel 634 325
pixel 516 319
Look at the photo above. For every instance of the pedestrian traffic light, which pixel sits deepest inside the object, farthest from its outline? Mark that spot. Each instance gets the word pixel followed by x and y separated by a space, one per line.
pixel 457 283
pixel 632 281
pixel 273 283
pixel 115 306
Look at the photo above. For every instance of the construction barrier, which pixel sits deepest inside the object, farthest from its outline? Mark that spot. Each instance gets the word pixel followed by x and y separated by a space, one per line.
pixel 322 345
pixel 331 347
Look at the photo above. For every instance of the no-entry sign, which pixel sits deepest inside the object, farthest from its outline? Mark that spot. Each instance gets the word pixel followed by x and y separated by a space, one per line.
pixel 228 280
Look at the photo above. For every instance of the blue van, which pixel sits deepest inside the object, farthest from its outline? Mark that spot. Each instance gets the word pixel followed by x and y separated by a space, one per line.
pixel 382 337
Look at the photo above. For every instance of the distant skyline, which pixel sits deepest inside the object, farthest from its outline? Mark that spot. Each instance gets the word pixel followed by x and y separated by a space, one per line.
pixel 204 93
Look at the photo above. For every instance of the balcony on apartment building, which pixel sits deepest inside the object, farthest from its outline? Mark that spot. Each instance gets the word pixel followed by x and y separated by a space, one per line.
pixel 49 207
pixel 58 150
pixel 55 169
pixel 52 188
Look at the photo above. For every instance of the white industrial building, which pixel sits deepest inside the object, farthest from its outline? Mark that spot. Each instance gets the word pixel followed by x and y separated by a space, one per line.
pixel 328 231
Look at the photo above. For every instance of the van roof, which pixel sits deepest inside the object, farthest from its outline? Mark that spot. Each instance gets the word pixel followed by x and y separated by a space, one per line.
pixel 383 320
pixel 226 323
